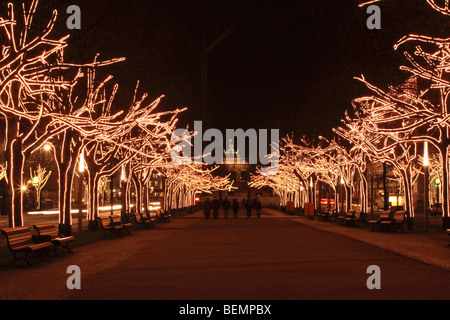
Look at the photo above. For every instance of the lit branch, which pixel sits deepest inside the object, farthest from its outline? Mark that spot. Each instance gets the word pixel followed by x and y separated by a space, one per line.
pixel 2 171
pixel 39 178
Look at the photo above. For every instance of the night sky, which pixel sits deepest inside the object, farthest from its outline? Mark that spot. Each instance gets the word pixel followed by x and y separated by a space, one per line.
pixel 287 65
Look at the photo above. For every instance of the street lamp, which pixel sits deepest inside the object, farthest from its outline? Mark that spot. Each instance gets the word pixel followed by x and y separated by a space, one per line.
pixel 35 182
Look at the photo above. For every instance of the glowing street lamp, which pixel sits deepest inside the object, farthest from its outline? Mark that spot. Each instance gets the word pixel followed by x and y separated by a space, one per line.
pixel 35 181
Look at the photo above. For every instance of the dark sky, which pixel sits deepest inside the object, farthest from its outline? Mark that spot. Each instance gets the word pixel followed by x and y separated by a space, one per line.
pixel 287 65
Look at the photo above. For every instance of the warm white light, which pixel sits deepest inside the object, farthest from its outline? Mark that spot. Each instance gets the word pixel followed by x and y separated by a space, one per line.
pixel 81 162
pixel 426 161
pixel 47 147
pixel 122 175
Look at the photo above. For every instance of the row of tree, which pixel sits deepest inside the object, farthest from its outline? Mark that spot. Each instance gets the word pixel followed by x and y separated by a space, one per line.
pixel 393 126
pixel 46 100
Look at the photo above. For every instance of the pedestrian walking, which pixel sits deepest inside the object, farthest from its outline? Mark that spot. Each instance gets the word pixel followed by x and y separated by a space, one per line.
pixel 235 206
pixel 207 208
pixel 226 207
pixel 258 208
pixel 248 206
pixel 215 207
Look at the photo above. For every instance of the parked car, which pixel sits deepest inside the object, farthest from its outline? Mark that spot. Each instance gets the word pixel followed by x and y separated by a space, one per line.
pixel 436 209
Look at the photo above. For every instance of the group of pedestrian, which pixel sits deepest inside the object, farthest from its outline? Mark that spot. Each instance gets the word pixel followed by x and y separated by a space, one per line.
pixel 226 205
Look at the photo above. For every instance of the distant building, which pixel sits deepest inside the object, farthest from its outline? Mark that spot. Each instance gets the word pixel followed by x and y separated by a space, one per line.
pixel 240 172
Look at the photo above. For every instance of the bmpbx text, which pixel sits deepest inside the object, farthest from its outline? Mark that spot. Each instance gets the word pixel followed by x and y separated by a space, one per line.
pixel 258 309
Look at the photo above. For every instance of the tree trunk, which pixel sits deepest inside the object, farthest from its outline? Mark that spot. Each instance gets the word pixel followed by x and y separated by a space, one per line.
pixel 65 201
pixel 385 190
pixel 93 182
pixel 145 198
pixel 15 176
pixel 349 196
pixel 444 188
pixel 66 153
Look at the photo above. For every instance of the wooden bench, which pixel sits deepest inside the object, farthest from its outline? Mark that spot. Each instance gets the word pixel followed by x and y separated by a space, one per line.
pixel 345 216
pixel 398 220
pixel 113 223
pixel 354 218
pixel 341 217
pixel 383 217
pixel 19 240
pixel 324 216
pixel 147 216
pixel 162 216
pixel 50 231
pixel 394 221
pixel 140 219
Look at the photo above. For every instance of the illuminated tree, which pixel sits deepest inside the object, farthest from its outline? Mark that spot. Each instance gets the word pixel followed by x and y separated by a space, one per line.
pixel 372 128
pixel 39 104
pixel 407 118
pixel 293 180
pixel 444 9
pixel 39 178
pixel 184 180
pixel 24 89
pixel 289 187
pixel 2 171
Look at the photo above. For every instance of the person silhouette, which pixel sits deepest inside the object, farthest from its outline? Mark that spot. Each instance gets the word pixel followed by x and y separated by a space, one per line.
pixel 235 206
pixel 215 206
pixel 226 205
pixel 248 206
pixel 207 208
pixel 258 208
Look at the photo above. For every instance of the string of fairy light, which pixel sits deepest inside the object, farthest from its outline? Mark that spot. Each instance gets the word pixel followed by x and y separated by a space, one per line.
pixel 65 107
pixel 403 126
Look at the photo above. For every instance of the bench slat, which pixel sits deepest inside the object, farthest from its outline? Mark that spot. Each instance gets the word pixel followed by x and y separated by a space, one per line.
pixel 19 240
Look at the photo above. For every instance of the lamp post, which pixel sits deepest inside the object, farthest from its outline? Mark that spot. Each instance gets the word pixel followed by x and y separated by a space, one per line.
pixel 426 182
pixel 35 182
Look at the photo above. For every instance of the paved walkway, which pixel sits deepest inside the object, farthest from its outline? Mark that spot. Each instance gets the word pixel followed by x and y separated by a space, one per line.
pixel 277 257
pixel 431 248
